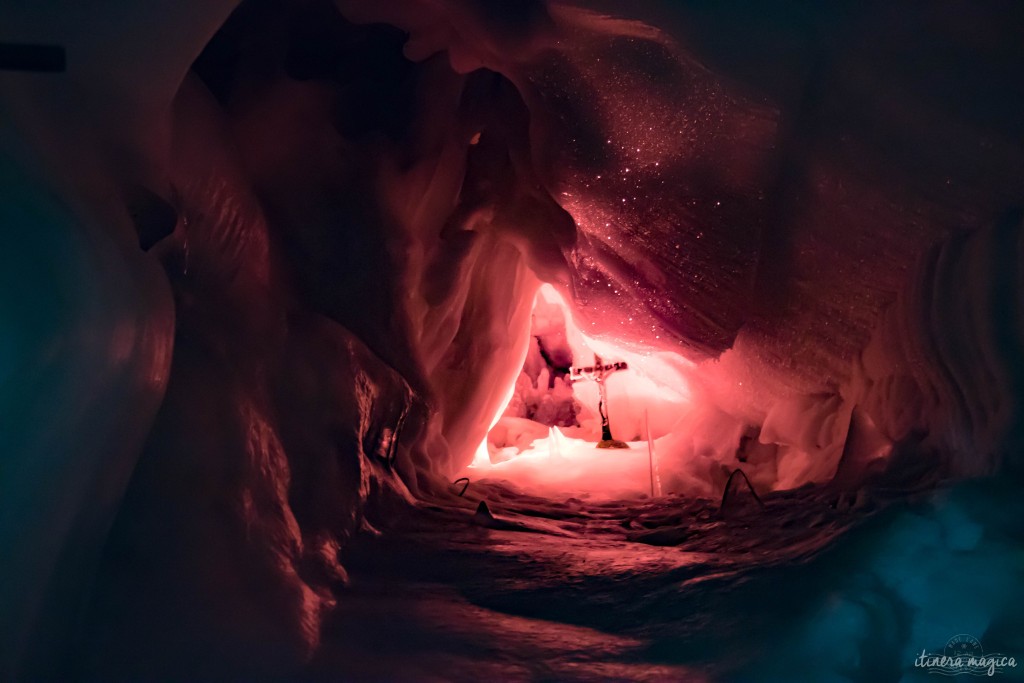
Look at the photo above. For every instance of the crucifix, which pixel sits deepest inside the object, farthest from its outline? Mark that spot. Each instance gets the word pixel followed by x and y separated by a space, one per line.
pixel 598 372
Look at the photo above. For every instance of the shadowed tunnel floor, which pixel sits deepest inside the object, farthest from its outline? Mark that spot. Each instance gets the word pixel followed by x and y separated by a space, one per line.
pixel 584 591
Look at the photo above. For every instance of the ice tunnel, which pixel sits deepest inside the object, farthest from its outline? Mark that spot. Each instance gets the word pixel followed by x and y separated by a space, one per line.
pixel 511 340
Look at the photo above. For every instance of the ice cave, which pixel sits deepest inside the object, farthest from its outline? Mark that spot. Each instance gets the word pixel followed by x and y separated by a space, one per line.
pixel 511 340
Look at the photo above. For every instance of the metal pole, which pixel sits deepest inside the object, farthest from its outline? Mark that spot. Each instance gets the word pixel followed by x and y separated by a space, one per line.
pixel 650 449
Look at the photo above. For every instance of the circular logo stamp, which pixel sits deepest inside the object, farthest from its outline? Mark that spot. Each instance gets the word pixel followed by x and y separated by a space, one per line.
pixel 963 645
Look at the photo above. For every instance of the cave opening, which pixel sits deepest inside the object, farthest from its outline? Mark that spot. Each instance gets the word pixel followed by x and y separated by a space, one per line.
pixel 684 427
pixel 545 438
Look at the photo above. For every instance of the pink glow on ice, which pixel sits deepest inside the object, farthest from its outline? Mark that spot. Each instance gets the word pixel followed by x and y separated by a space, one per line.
pixel 561 466
pixel 706 420
pixel 565 460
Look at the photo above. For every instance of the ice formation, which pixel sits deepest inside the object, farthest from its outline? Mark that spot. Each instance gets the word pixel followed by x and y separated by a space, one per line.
pixel 663 397
pixel 276 272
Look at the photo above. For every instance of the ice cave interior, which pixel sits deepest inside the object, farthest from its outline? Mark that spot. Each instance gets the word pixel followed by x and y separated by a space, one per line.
pixel 523 340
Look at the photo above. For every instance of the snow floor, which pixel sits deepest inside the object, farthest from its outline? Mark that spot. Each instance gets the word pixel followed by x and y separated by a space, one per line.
pixel 816 585
pixel 581 591
pixel 561 466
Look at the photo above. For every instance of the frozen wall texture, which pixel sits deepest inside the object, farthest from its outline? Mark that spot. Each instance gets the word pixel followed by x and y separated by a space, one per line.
pixel 345 211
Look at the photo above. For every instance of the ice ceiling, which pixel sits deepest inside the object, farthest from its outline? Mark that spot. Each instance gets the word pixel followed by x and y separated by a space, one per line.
pixel 271 271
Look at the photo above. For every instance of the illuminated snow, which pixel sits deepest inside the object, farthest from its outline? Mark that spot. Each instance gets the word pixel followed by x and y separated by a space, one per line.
pixel 654 391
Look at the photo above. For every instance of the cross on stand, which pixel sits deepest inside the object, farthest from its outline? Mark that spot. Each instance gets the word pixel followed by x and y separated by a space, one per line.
pixel 598 372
